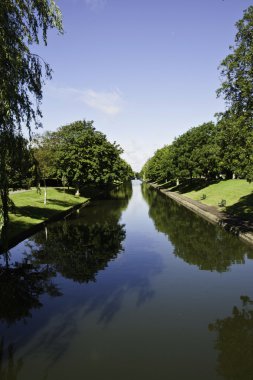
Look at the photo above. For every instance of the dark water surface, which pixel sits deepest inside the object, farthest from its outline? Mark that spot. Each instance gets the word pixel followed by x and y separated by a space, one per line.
pixel 131 287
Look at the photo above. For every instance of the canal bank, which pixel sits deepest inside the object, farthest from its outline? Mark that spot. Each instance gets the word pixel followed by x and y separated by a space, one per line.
pixel 30 230
pixel 234 225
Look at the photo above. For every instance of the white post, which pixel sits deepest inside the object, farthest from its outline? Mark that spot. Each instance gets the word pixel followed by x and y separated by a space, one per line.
pixel 45 192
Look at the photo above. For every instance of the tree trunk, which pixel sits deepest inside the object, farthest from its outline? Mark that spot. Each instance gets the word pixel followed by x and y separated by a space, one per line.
pixel 4 187
pixel 4 199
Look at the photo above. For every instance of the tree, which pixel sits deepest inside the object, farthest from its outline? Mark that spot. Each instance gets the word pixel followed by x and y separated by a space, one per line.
pixel 84 156
pixel 44 160
pixel 22 22
pixel 159 167
pixel 44 154
pixel 182 155
pixel 195 153
pixel 237 69
pixel 205 150
pixel 235 138
pixel 19 161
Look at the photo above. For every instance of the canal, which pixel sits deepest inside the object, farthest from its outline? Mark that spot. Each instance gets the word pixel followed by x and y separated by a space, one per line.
pixel 133 286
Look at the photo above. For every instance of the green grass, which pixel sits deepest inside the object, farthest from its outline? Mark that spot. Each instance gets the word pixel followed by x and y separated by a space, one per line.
pixel 30 209
pixel 238 194
pixel 231 190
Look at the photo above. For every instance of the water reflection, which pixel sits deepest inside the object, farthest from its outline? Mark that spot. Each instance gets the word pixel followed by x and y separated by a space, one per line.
pixel 83 244
pixel 77 248
pixel 78 252
pixel 235 342
pixel 195 240
pixel 21 285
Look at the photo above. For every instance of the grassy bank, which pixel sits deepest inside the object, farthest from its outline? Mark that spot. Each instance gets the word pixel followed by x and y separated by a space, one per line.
pixel 30 209
pixel 237 193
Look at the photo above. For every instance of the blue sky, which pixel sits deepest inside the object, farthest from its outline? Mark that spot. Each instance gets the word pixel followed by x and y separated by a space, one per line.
pixel 144 70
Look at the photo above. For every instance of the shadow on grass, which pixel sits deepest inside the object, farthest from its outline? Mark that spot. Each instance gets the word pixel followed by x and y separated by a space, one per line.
pixel 36 212
pixel 167 185
pixel 241 213
pixel 194 184
pixel 19 230
pixel 58 202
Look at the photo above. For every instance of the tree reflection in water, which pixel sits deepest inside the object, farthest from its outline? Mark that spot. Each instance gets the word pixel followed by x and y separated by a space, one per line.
pixel 77 247
pixel 195 240
pixel 235 342
pixel 21 285
pixel 78 252
pixel 83 244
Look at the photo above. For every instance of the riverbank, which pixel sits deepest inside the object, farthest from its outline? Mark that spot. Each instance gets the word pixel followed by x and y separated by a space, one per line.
pixel 232 223
pixel 30 213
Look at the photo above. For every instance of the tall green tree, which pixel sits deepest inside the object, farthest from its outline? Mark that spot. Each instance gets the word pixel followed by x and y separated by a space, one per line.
pixel 235 125
pixel 23 24
pixel 237 69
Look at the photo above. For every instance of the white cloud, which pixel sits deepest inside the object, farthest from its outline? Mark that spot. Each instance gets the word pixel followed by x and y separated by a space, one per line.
pixel 136 154
pixel 107 102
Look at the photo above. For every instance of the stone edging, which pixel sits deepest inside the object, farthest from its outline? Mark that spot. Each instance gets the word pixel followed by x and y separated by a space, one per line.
pixel 209 213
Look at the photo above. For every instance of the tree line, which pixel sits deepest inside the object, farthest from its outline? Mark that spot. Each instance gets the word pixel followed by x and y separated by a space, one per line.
pixel 221 148
pixel 74 155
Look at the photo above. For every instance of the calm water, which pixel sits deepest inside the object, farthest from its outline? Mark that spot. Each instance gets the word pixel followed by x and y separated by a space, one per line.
pixel 131 287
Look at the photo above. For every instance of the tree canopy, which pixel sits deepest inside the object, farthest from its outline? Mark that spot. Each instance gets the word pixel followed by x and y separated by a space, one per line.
pixel 193 154
pixel 237 69
pixel 21 72
pixel 82 155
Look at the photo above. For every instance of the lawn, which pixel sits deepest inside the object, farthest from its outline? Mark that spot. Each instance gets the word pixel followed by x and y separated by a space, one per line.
pixel 231 190
pixel 237 193
pixel 30 209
